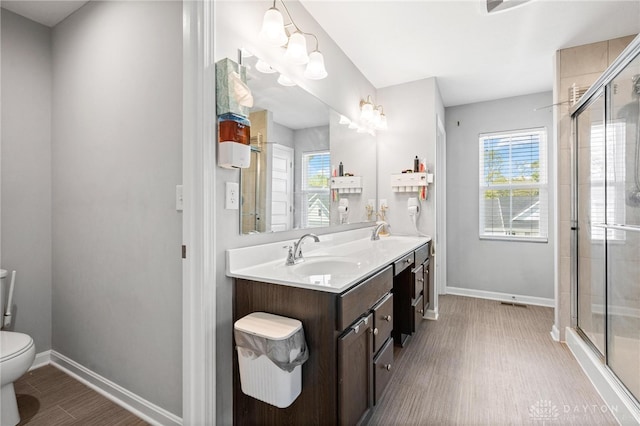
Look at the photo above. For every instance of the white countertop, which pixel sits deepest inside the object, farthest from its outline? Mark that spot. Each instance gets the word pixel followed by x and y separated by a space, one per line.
pixel 353 249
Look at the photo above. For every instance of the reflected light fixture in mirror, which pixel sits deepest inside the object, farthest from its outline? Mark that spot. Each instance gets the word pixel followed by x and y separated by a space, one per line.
pixel 285 81
pixel 273 28
pixel 264 67
pixel 372 116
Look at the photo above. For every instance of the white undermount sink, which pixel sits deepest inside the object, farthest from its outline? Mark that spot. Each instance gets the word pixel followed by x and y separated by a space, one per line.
pixel 325 265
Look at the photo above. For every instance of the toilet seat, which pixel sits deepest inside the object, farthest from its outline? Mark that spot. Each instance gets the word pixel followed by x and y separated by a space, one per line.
pixel 13 344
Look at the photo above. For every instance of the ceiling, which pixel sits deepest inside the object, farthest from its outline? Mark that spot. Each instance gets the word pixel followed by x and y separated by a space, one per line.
pixel 475 56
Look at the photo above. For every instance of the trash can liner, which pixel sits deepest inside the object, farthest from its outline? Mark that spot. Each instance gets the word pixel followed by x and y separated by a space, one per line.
pixel 286 353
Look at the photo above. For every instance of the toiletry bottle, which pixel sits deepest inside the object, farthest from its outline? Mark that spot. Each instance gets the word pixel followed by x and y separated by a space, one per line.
pixel 416 164
pixel 340 169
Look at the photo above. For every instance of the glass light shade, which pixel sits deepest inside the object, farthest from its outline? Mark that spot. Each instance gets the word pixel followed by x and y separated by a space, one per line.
pixel 285 81
pixel 366 112
pixel 315 68
pixel 382 125
pixel 264 67
pixel 376 116
pixel 297 49
pixel 273 28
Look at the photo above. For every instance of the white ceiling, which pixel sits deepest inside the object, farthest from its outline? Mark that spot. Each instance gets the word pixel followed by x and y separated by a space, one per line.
pixel 475 56
pixel 47 12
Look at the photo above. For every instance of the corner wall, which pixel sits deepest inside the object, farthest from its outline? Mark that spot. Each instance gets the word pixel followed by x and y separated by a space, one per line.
pixel 26 172
pixel 117 157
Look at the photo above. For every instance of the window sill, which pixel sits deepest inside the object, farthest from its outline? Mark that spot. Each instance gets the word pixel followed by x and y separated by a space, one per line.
pixel 513 238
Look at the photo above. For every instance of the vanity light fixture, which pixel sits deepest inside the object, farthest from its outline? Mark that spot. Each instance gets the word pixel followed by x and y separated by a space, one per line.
pixel 276 33
pixel 371 115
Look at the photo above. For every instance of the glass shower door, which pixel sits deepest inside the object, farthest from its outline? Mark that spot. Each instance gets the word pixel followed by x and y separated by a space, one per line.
pixel 591 170
pixel 623 245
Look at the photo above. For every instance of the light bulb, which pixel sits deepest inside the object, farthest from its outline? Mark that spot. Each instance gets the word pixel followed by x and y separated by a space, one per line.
pixel 264 67
pixel 297 49
pixel 273 28
pixel 315 68
pixel 285 81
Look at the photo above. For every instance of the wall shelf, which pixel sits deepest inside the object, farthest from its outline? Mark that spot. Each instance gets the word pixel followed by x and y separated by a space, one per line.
pixel 347 184
pixel 410 182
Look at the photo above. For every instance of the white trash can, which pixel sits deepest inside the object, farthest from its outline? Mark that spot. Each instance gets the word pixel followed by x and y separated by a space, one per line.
pixel 271 351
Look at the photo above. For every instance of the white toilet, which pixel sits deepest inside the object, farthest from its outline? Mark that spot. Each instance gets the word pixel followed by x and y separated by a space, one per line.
pixel 17 353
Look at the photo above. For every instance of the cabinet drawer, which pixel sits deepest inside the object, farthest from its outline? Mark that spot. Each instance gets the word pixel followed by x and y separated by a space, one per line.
pixel 422 253
pixel 382 322
pixel 362 297
pixel 383 368
pixel 418 312
pixel 402 263
pixel 418 282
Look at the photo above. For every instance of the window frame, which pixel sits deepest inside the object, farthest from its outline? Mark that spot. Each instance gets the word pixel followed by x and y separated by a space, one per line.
pixel 542 185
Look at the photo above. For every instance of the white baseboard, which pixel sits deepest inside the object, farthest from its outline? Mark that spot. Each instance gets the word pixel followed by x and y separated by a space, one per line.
pixel 618 402
pixel 431 315
pixel 503 297
pixel 128 400
pixel 555 333
pixel 41 359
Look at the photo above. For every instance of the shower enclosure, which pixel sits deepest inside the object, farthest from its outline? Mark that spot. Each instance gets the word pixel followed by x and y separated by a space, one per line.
pixel 606 218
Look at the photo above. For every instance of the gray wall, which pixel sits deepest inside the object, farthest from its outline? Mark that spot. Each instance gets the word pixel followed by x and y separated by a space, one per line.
pixel 117 148
pixel 341 90
pixel 514 268
pixel 26 172
pixel 411 111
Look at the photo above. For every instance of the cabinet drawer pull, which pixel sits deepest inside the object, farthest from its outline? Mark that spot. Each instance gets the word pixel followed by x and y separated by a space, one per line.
pixel 421 311
pixel 375 331
pixel 356 327
pixel 387 318
pixel 420 280
pixel 387 367
pixel 407 260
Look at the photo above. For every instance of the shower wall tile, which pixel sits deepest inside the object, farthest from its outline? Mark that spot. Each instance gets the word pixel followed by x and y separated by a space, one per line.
pixel 617 45
pixel 589 58
pixel 564 199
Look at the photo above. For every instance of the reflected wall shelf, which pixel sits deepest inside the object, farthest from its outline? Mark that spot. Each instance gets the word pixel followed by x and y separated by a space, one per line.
pixel 410 182
pixel 347 184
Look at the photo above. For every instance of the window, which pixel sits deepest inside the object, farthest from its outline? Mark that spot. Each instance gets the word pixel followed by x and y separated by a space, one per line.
pixel 513 185
pixel 316 172
pixel 613 174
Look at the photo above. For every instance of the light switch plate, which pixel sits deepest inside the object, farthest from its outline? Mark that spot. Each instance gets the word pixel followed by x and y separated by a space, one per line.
pixel 179 198
pixel 231 201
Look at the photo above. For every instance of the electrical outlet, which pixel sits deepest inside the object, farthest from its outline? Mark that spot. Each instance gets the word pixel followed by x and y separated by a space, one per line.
pixel 231 201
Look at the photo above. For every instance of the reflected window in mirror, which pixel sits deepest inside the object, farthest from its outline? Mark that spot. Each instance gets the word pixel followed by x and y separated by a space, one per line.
pixel 316 198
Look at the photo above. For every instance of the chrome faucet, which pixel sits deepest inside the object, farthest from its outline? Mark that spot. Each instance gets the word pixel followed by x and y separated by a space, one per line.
pixel 295 253
pixel 375 236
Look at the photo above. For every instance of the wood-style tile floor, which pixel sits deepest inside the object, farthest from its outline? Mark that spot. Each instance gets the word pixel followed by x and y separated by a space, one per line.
pixel 484 363
pixel 49 397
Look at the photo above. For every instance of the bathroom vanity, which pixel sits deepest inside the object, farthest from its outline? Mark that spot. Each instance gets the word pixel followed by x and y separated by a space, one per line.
pixel 353 296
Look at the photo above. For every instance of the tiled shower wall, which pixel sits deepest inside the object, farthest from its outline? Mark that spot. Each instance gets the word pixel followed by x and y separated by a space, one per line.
pixel 580 65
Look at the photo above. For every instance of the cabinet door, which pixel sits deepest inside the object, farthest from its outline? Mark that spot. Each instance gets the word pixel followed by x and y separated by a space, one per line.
pixel 418 282
pixel 426 283
pixel 355 372
pixel 418 312
pixel 382 321
pixel 383 367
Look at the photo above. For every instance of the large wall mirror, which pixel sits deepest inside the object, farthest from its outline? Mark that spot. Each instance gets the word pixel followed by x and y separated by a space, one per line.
pixel 297 145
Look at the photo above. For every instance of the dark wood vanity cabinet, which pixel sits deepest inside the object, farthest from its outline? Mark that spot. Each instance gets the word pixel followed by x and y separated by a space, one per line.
pixel 411 292
pixel 343 333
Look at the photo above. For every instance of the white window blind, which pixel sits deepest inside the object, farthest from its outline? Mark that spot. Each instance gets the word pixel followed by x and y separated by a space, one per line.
pixel 513 185
pixel 613 176
pixel 316 172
